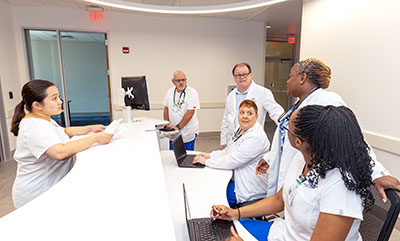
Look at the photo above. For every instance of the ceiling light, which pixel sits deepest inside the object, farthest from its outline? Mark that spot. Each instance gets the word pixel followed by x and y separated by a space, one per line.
pixel 94 8
pixel 185 10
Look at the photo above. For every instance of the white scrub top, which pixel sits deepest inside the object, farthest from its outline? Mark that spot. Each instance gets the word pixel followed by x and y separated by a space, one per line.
pixel 184 101
pixel 279 162
pixel 304 202
pixel 265 103
pixel 242 156
pixel 36 171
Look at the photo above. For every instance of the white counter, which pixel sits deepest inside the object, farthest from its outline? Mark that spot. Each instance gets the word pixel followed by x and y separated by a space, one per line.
pixel 121 191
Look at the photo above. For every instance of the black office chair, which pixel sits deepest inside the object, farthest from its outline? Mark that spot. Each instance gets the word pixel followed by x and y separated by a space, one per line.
pixel 378 223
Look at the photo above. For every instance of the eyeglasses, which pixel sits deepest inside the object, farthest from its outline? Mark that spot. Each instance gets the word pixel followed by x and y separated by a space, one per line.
pixel 179 80
pixel 241 75
pixel 291 132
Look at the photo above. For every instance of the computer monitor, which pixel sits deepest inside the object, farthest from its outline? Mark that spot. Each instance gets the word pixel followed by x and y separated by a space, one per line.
pixel 136 96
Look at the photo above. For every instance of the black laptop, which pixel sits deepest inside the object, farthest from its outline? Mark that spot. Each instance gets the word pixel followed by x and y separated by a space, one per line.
pixel 205 228
pixel 183 159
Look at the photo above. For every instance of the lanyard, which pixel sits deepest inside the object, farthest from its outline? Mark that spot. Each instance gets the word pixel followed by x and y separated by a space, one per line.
pixel 236 135
pixel 289 113
pixel 284 118
pixel 180 102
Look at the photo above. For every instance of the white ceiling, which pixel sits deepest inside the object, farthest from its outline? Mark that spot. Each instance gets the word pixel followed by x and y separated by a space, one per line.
pixel 284 18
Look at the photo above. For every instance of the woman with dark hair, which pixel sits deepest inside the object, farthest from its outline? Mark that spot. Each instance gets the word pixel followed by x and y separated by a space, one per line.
pixel 241 155
pixel 308 81
pixel 327 185
pixel 44 150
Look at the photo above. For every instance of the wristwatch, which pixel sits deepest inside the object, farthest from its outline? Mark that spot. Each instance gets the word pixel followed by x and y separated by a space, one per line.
pixel 177 126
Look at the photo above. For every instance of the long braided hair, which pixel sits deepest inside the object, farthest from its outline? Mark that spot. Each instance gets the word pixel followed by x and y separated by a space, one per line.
pixel 336 141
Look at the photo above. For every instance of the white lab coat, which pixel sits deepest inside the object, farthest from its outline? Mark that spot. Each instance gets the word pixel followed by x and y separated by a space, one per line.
pixel 279 163
pixel 242 156
pixel 265 103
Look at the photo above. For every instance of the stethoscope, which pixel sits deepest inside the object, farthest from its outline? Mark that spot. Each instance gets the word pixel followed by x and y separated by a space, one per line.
pixel 180 100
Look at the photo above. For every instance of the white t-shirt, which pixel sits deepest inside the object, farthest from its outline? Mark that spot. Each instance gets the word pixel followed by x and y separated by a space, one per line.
pixel 36 171
pixel 184 101
pixel 303 204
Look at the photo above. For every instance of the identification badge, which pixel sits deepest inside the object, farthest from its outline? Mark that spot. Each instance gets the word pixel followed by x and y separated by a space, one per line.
pixel 292 192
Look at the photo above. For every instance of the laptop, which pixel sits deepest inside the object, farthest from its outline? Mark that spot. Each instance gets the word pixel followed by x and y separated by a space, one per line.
pixel 183 159
pixel 205 228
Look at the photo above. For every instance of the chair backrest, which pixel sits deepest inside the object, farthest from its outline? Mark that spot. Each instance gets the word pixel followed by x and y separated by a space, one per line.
pixel 378 223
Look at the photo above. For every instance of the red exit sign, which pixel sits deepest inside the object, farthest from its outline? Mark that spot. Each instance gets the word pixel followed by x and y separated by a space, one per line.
pixel 291 40
pixel 95 15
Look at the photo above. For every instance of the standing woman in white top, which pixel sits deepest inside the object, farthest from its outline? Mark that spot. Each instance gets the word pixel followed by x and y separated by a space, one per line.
pixel 308 80
pixel 44 150
pixel 242 154
pixel 327 186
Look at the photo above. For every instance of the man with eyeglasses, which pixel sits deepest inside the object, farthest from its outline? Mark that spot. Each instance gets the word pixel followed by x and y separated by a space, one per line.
pixel 246 89
pixel 180 104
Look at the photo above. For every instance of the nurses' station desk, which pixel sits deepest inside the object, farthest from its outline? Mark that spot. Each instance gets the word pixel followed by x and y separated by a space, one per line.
pixel 120 191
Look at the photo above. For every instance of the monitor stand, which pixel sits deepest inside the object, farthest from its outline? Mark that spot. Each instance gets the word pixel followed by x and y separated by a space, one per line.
pixel 126 114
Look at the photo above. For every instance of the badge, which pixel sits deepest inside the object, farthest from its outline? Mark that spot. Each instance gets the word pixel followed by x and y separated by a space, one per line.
pixel 291 194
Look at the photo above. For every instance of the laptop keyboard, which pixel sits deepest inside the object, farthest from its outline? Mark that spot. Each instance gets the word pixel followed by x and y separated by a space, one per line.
pixel 188 162
pixel 205 230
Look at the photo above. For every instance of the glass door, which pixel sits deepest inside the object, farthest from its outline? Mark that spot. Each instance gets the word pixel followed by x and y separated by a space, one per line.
pixel 278 61
pixel 85 68
pixel 44 61
pixel 77 63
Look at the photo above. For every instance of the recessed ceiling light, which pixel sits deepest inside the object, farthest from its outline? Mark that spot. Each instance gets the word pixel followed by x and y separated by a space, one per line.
pixel 185 10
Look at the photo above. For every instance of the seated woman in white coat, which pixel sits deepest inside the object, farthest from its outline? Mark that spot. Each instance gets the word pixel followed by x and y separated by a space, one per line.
pixel 327 186
pixel 44 150
pixel 242 155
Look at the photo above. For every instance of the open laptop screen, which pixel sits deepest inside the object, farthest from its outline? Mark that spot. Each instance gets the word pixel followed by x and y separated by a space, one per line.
pixel 179 147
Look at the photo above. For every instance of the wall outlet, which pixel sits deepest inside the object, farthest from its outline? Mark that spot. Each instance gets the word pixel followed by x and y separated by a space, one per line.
pixel 230 88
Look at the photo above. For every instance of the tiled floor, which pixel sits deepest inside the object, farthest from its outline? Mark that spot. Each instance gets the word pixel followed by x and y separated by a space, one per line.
pixel 7 175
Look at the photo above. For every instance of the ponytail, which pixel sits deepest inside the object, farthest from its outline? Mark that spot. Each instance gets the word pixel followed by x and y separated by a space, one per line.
pixel 34 90
pixel 19 114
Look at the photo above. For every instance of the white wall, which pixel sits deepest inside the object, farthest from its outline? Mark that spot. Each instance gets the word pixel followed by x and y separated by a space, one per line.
pixel 358 39
pixel 204 48
pixel 9 74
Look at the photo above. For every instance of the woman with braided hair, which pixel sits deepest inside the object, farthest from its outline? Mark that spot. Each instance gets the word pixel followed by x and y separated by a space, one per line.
pixel 327 185
pixel 308 81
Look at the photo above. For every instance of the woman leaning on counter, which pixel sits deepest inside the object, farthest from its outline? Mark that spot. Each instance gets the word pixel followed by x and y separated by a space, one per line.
pixel 44 150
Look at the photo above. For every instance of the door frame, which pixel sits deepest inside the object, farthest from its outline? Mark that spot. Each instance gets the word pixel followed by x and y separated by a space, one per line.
pixel 58 31
pixel 5 153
